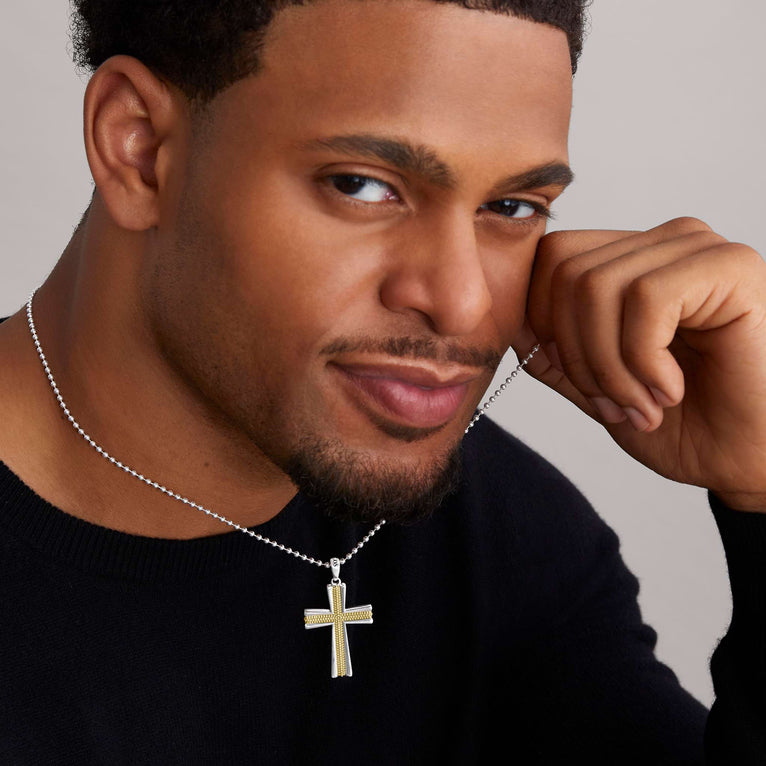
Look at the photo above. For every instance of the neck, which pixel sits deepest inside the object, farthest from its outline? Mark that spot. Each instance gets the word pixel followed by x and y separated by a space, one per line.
pixel 128 398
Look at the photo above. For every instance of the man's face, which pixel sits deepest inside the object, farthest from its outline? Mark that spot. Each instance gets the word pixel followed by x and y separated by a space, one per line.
pixel 345 261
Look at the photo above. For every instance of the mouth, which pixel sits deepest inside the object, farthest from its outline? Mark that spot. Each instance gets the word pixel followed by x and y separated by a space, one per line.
pixel 411 396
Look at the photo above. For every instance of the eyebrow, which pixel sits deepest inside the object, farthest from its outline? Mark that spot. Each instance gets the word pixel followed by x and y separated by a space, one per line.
pixel 424 162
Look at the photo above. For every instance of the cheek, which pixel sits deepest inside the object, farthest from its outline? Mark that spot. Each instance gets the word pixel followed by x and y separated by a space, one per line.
pixel 508 271
pixel 298 273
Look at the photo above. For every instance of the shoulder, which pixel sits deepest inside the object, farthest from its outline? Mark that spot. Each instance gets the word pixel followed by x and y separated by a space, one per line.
pixel 27 410
pixel 515 499
pixel 499 470
pixel 12 386
pixel 491 451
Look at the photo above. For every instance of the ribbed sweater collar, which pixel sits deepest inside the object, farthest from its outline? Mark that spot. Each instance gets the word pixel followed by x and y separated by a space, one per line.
pixel 89 547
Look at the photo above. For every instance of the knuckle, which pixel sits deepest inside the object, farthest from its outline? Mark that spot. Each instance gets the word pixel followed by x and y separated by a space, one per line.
pixel 572 361
pixel 581 377
pixel 747 255
pixel 566 272
pixel 608 378
pixel 553 243
pixel 560 246
pixel 592 283
pixel 549 251
pixel 708 239
pixel 686 225
pixel 642 291
pixel 635 357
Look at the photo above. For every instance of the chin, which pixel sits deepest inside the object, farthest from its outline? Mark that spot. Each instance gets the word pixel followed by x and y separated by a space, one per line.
pixel 358 486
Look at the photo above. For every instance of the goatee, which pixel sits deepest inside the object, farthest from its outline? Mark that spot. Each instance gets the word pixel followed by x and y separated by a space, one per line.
pixel 357 487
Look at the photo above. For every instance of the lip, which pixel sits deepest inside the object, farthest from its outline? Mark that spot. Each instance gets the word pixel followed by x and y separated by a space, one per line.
pixel 414 396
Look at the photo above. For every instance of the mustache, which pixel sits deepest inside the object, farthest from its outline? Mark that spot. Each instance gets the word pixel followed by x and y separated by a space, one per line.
pixel 417 348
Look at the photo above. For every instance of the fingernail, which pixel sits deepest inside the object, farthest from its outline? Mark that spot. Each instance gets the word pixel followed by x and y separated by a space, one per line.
pixel 661 398
pixel 609 411
pixel 640 423
pixel 553 355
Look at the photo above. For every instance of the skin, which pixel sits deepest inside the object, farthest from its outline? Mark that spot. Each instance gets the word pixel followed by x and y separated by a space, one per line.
pixel 195 307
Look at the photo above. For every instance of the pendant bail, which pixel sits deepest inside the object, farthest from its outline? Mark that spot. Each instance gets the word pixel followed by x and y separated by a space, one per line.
pixel 335 567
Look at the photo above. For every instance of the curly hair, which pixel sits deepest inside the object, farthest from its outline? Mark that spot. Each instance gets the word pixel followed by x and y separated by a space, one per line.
pixel 203 46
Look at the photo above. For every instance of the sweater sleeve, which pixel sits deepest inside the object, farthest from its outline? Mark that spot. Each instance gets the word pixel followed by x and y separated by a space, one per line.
pixel 736 728
pixel 602 695
pixel 582 682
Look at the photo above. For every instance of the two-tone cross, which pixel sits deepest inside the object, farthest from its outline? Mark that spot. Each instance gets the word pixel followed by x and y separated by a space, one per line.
pixel 338 617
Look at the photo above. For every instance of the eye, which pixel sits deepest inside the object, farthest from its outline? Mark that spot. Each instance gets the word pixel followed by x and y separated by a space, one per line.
pixel 517 208
pixel 363 188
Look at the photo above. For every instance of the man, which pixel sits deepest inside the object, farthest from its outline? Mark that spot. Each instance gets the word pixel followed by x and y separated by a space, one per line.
pixel 306 253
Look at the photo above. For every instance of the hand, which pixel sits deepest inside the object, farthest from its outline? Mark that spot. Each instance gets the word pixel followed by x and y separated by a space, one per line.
pixel 660 336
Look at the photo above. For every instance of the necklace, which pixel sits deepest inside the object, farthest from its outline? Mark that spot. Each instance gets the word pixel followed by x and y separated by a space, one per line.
pixel 337 616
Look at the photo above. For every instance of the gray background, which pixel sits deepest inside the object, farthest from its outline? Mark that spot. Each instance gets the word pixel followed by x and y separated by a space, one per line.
pixel 668 120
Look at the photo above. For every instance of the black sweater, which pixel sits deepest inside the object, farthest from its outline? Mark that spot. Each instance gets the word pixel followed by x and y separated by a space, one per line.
pixel 507 619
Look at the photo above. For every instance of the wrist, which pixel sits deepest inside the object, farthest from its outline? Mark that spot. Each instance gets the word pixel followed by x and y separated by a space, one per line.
pixel 749 502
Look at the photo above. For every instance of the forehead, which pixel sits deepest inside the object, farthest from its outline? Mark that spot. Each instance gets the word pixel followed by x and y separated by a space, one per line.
pixel 442 75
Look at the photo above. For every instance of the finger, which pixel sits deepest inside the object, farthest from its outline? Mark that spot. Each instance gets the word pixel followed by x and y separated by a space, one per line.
pixel 566 243
pixel 707 312
pixel 598 362
pixel 586 249
pixel 540 367
pixel 553 250
pixel 566 323
pixel 559 315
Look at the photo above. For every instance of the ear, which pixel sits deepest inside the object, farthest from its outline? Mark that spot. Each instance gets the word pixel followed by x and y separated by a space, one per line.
pixel 132 121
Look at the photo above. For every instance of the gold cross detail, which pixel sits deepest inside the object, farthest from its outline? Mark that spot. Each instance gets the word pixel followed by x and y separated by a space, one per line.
pixel 338 617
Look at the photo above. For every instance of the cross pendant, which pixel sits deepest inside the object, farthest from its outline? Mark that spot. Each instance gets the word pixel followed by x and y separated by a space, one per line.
pixel 338 617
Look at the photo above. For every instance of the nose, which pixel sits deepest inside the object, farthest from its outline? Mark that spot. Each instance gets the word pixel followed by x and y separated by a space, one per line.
pixel 437 272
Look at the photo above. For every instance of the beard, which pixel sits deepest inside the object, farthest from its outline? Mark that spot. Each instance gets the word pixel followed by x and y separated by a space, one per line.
pixel 356 487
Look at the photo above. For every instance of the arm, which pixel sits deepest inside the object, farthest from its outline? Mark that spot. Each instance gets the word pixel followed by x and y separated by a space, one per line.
pixel 575 673
pixel 601 694
pixel 736 729
pixel 661 337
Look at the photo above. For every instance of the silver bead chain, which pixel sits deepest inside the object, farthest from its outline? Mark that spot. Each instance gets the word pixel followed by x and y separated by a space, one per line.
pixel 507 382
pixel 170 493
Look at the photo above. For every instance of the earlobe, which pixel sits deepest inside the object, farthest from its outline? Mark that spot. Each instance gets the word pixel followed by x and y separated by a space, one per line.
pixel 128 117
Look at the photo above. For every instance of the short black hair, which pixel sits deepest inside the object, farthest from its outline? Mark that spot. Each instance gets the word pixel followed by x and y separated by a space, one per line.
pixel 203 46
